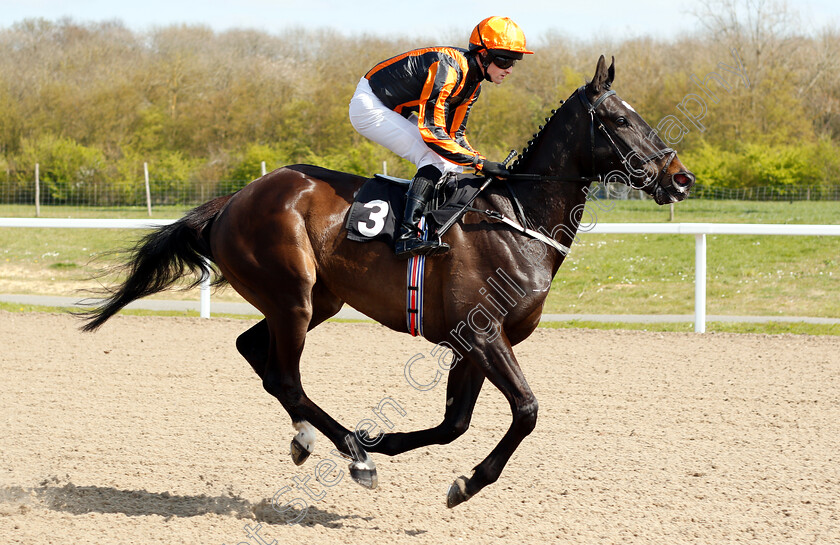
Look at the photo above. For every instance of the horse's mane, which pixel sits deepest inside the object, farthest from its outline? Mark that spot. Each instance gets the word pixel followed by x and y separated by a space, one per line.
pixel 530 147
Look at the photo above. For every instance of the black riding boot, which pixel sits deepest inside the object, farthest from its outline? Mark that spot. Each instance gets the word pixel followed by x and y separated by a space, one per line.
pixel 409 242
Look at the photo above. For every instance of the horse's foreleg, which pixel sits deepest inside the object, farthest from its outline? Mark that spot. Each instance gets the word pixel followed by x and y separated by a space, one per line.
pixel 499 364
pixel 462 389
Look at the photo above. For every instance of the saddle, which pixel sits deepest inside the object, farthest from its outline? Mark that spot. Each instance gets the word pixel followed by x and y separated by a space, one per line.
pixel 380 202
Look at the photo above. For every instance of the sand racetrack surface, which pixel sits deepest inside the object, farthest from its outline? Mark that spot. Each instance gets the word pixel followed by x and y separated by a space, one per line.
pixel 154 430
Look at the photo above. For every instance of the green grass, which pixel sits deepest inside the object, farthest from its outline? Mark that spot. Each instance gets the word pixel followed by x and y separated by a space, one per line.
pixel 654 274
pixel 770 328
pixel 15 307
pixel 116 212
pixel 603 274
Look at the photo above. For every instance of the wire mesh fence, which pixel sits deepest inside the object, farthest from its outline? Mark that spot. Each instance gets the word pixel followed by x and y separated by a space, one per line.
pixel 763 193
pixel 114 194
pixel 768 193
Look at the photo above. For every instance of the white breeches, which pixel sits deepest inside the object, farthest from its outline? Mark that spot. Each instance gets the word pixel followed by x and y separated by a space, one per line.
pixel 386 127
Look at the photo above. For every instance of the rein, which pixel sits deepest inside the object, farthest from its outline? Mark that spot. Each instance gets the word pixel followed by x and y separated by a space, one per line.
pixel 594 121
pixel 498 216
pixel 521 177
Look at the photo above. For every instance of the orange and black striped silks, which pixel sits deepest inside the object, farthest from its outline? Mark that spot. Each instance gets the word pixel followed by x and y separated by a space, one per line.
pixel 440 85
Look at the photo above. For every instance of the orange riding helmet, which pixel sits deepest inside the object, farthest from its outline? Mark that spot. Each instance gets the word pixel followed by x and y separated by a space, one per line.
pixel 499 36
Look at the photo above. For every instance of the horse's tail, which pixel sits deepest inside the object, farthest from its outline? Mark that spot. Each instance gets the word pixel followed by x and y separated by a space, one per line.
pixel 159 259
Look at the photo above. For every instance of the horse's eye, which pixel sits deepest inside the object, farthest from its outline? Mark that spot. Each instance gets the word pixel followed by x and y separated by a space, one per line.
pixel 621 121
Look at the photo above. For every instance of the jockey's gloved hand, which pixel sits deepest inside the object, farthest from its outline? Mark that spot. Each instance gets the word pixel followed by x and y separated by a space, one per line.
pixel 492 168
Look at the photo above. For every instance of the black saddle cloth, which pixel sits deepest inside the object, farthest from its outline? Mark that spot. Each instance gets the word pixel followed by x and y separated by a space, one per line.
pixel 377 210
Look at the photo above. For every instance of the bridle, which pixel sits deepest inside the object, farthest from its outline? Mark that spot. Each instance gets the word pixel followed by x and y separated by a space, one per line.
pixel 595 121
pixel 611 138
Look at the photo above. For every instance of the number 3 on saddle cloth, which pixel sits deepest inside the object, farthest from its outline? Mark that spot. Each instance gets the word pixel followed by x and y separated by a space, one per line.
pixel 373 216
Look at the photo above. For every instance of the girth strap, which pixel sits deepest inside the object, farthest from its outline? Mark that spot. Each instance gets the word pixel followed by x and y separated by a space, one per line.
pixel 415 271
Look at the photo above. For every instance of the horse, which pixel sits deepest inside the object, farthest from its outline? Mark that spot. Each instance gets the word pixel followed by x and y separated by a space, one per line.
pixel 280 243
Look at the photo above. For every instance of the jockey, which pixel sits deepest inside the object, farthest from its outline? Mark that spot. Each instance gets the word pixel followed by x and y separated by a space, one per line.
pixel 416 105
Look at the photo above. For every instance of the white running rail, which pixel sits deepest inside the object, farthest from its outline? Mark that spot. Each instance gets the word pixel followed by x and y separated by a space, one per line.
pixel 699 230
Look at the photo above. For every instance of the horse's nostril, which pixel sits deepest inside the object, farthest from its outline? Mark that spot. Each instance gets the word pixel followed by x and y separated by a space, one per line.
pixel 683 179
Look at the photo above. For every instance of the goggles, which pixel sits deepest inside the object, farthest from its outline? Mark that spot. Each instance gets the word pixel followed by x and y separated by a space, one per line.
pixel 503 62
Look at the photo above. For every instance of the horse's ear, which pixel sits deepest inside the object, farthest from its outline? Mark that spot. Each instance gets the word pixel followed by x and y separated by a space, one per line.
pixel 611 73
pixel 599 80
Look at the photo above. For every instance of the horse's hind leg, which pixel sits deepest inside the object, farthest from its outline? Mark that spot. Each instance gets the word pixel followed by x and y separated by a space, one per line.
pixel 290 312
pixel 254 345
pixel 281 378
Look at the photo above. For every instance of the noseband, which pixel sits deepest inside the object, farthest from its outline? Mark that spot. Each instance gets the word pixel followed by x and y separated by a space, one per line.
pixel 611 138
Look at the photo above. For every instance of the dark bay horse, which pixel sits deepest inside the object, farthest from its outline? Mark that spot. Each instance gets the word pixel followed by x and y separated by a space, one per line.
pixel 281 244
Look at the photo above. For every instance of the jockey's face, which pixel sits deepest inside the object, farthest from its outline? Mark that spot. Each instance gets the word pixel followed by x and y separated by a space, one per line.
pixel 496 74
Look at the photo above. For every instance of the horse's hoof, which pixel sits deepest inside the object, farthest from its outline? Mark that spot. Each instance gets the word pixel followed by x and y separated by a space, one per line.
pixel 303 443
pixel 364 472
pixel 299 452
pixel 364 476
pixel 457 492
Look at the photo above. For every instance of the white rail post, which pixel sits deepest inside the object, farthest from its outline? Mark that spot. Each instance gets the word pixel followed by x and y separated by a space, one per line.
pixel 205 292
pixel 148 189
pixel 262 168
pixel 37 190
pixel 700 283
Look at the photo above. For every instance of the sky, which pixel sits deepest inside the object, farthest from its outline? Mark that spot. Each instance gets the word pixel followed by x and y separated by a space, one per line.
pixel 389 18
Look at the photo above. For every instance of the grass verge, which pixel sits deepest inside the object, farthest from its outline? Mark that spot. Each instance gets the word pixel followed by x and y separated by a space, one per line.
pixel 768 328
pixel 15 307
